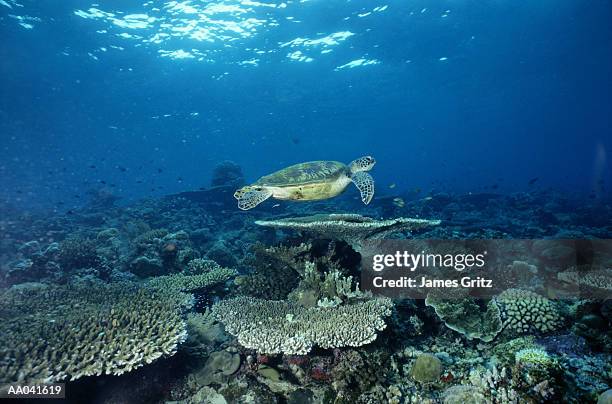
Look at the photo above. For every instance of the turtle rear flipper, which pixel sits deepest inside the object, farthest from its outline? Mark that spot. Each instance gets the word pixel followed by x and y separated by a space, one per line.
pixel 365 183
pixel 249 199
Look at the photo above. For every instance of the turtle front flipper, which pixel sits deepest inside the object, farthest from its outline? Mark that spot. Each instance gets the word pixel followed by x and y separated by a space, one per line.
pixel 365 183
pixel 248 199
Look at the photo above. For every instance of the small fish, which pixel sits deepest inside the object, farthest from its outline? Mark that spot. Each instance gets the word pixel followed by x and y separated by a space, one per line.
pixel 429 198
pixel 533 180
pixel 391 186
pixel 399 202
pixel 276 205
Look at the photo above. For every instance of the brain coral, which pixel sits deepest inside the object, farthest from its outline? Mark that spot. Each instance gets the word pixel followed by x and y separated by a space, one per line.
pixel 284 327
pixel 524 311
pixel 52 333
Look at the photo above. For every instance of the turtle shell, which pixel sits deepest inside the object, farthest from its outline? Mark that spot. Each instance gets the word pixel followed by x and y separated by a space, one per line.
pixel 305 173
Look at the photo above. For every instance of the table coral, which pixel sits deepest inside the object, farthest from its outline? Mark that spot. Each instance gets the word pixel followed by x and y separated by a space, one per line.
pixel 67 332
pixel 351 228
pixel 285 327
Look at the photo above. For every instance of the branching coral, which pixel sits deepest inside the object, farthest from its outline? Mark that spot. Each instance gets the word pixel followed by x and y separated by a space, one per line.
pixel 67 332
pixel 186 283
pixel 592 282
pixel 284 327
pixel 351 228
pixel 201 265
pixel 325 290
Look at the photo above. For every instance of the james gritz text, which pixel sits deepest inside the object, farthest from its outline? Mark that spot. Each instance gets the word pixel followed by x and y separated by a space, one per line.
pixel 406 260
pixel 406 282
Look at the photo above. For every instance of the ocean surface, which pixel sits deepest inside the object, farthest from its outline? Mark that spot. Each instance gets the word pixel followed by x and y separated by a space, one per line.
pixel 126 128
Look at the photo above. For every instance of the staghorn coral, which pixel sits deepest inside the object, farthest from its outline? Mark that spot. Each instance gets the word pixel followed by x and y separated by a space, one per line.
pixel 523 311
pixel 54 333
pixel 283 327
pixel 351 228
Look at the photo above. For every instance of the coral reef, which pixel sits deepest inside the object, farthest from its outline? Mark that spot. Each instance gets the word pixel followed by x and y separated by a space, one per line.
pixel 325 290
pixel 283 327
pixel 467 317
pixel 513 312
pixel 218 367
pixel 188 283
pixel 275 271
pixel 351 228
pixel 523 311
pixel 593 283
pixel 76 253
pixel 52 333
pixel 426 368
pixel 294 294
pixel 159 252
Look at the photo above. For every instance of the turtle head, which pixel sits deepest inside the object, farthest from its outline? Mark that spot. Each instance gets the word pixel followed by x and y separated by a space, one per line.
pixel 364 163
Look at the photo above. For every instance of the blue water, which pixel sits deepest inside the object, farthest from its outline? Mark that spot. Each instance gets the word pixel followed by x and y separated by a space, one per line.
pixel 146 98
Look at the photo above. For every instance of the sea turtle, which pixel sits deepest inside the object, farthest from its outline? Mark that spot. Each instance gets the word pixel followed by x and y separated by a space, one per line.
pixel 310 181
